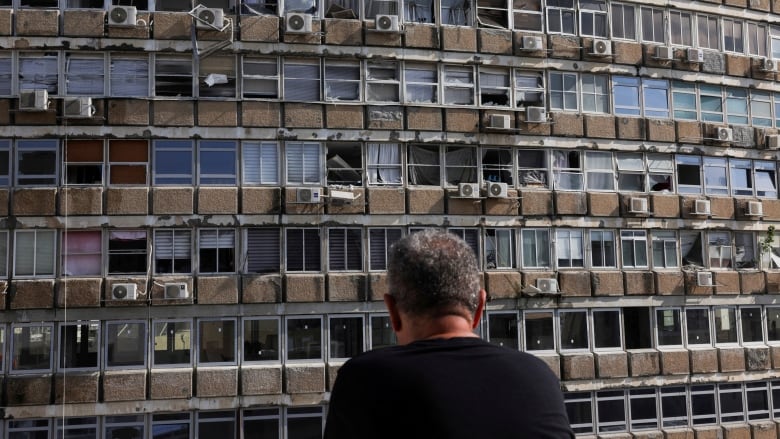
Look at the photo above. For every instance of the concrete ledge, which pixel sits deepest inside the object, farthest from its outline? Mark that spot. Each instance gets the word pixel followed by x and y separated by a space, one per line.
pixel 503 284
pixel 172 200
pixel 643 362
pixel 260 200
pixel 304 378
pixel 217 381
pixel 217 289
pixel 171 384
pixel 675 362
pixel 757 358
pixel 704 360
pixel 28 390
pixel 34 202
pixel 377 286
pixel 304 288
pixel 76 387
pixel 265 288
pixel 578 366
pixel 611 364
pixel 29 294
pixel 81 201
pixel 218 200
pixel 553 361
pixel 346 287
pixel 124 385
pixel 79 293
pixel 127 201
pixel 731 359
pixel 261 380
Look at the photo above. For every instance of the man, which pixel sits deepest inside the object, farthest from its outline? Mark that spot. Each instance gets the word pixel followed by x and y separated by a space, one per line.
pixel 442 381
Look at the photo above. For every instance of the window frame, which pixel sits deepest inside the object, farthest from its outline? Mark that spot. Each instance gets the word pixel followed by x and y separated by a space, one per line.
pixel 246 339
pixel 36 146
pixel 107 351
pixel 202 350
pixel 54 253
pixel 153 343
pixel 13 368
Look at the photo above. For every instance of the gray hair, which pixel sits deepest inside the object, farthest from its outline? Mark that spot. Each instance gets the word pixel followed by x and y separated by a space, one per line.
pixel 433 273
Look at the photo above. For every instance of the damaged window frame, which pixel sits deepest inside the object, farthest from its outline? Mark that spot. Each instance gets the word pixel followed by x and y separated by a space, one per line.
pixel 720 250
pixel 344 162
pixel 120 161
pixel 38 4
pixel 220 70
pixel 456 12
pixel 430 161
pixel 127 255
pixel 129 75
pixel 44 71
pixel 84 74
pixel 383 84
pixel 292 82
pixel 79 346
pixel 83 162
pixel 494 84
pixel 260 70
pixel 770 260
pixel 529 88
pixel 263 250
pixel 692 249
pixel 497 164
pixel 725 325
pixel 372 8
pixel 689 168
pixel 419 11
pixel 342 9
pixel 745 255
pixel 342 81
pixel 460 165
pixel 567 170
pixel 426 79
pixel 772 318
pixel 530 172
pixel 171 81
pixel 500 248
pixel 471 236
pixel 458 85
pixel 260 163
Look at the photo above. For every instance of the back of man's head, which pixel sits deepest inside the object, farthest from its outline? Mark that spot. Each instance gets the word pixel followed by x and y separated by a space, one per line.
pixel 433 273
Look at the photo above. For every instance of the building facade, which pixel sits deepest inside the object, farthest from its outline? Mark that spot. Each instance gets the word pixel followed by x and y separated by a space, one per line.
pixel 197 202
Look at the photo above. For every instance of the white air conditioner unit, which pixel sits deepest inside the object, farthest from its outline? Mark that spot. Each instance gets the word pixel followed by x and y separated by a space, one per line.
pixel 772 141
pixel 664 52
pixel 124 291
pixel 601 48
pixel 122 16
pixel 702 207
pixel 335 194
pixel 80 107
pixel 34 100
pixel 695 56
pixel 386 23
pixel 308 195
pixel 638 205
pixel 532 43
pixel 755 208
pixel 535 114
pixel 767 65
pixel 547 285
pixel 704 279
pixel 500 121
pixel 725 134
pixel 176 290
pixel 497 190
pixel 297 23
pixel 468 190
pixel 209 18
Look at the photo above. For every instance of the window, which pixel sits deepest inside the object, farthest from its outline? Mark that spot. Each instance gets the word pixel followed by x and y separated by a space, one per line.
pixel 346 336
pixel 668 327
pixel 697 326
pixel 303 163
pixel 379 243
pixel 373 8
pixel 217 423
pixel 684 100
pixel 424 165
pixel 127 251
pixel 708 32
pixel 173 76
pixel 76 428
pixel 765 178
pixel 172 251
pixel 681 24
pixel 303 249
pixel 384 163
pixel 131 425
pixel 128 162
pixel 602 248
pixel 637 327
pixel 527 15
pixel 660 168
pixel 172 343
pixel 419 11
pixel 773 324
pixel 595 93
pixel 345 164
pixel 756 39
pixel 3 264
pixel 263 248
pixel 217 342
pixel 536 248
pixel 166 425
pixel 625 91
pixel 260 162
pixel 421 84
pixel 757 398
pixel 631 172
pixel 217 162
pixel 79 345
pixel 31 347
pixel 217 77
pixel 83 162
pixel 6 75
pixel 539 331
pixel 471 236
pixel 643 406
pixel 383 82
pixel 84 75
pixel 719 249
pixel 579 408
pixel 529 89
pixel 760 108
pixel 634 248
pixel 573 330
pixel 39 71
pixel 600 173
pixel 732 36
pixel 563 91
pixel 567 170
pixel 345 249
pixel 731 406
pixel 262 422
pixel 533 168
pixel 499 249
pixel 173 162
pixel 737 106
pixel 774 42
pixel 304 422
pixel 607 329
pixel 611 409
pixel 494 87
pixel 216 251
pixel 674 407
pixel 569 248
pixel 560 17
pixel 301 80
pixel 261 339
pixel 703 404
pixel 751 325
pixel 593 18
pixel 623 21
pixel 260 78
pixel 5 162
pixel 655 98
pixel 304 338
pixel 129 77
pixel 495 14
pixel 382 334
pixel 36 162
pixel 691 248
pixel 342 81
pixel 34 252
pixel 711 103
pixel 652 25
pixel 715 176
pixel 81 253
pixel 741 175
pixel 458 85
pixel 502 329
pixel 126 344
pixel 689 174
pixel 456 13
pixel 460 163
pixel 725 325
pixel 497 165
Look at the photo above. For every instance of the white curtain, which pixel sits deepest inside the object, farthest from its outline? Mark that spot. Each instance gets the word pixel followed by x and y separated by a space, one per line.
pixel 386 159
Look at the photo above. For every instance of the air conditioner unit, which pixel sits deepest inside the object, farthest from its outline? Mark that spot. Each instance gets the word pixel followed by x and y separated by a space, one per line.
pixel 601 48
pixel 308 195
pixel 725 134
pixel 468 190
pixel 497 190
pixel 768 65
pixel 535 114
pixel 695 56
pixel 755 208
pixel 176 290
pixel 78 107
pixel 297 23
pixel 122 16
pixel 124 291
pixel 704 279
pixel 701 207
pixel 664 52
pixel 547 285
pixel 209 18
pixel 386 23
pixel 772 141
pixel 500 121
pixel 638 205
pixel 532 43
pixel 34 100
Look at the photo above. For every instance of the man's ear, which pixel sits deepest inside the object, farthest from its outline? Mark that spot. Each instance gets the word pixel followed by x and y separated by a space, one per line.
pixel 480 308
pixel 392 309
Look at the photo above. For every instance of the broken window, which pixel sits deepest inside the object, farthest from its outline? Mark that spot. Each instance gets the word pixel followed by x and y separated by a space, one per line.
pixel 737 106
pixel 751 324
pixel 261 340
pixel 127 251
pixel 345 164
pixel 573 330
pixel 493 14
pixel 579 408
pixel 527 15
pixel 539 331
pixel 304 338
pixel 560 17
pixel 301 80
pixel 765 178
pixel 217 342
pixel 707 26
pixel 173 162
pixel 744 250
pixel 79 345
pixel 39 3
pixel 711 103
pixel 689 174
pixel 36 162
pixel 216 251
pixel 655 98
pixel 39 71
pixel 6 75
pixel 346 336
pixel 379 243
pixel 460 163
pixel 623 21
pixel 126 344
pixel 384 163
pixel 535 247
pixel 569 249
pixel 664 249
pixel 600 171
pixel 719 249
pixel 636 327
pixel 715 176
pixel 34 252
pixel 172 251
pixel 173 76
pixel 303 249
pixel 421 83
pixel 532 168
pixel 419 11
pixel 263 250
pixel 303 163
pixel 424 165
pixel 383 82
pixel 681 24
pixel 725 324
pixel 217 77
pixel 634 248
pixel 668 327
pixel 84 75
pixel 172 343
pixel 563 91
pixel 31 345
pixel 260 161
pixel 741 174
pixel 173 5
pixel 497 165
pixel 344 9
pixel 660 168
pixel 128 162
pixel 458 85
pixel 732 35
pixel 129 77
pixel 260 7
pixel 756 37
pixel 84 162
pixel 456 12
pixel 602 248
pixel 81 253
pixel 380 7
pixel 217 162
pixel 697 327
pixel 567 170
pixel 593 18
pixel 502 329
pixel 607 329
pixel 625 91
pixel 260 78
pixel 342 81
pixel 499 248
pixel 691 248
pixel 595 93
pixel 652 25
pixel 345 249
pixel 494 87
pixel 529 89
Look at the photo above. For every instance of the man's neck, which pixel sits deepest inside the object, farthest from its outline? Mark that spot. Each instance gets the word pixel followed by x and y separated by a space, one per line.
pixel 448 326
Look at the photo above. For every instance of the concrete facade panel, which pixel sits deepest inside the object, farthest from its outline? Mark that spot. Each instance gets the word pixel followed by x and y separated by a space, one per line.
pixel 260 200
pixel 172 201
pixel 497 41
pixel 81 201
pixel 300 378
pixel 170 384
pixel 304 288
pixel 213 290
pixel 704 361
pixel 425 201
pixel 458 38
pixel 259 28
pixel 607 283
pixel 124 385
pixel 76 387
pixel 303 116
pixel 643 363
pixel 77 23
pixel 343 32
pixel 675 362
pixel 37 22
pixel 261 288
pixel 79 292
pixel 261 380
pixel 344 116
pixel 128 112
pixel 218 200
pixel 577 366
pixel 346 287
pixel 30 294
pixel 501 284
pixel 217 114
pixel 216 381
pixel 174 113
pixel 34 202
pixel 611 364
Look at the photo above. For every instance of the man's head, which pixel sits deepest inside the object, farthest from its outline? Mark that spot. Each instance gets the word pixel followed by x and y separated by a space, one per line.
pixel 433 273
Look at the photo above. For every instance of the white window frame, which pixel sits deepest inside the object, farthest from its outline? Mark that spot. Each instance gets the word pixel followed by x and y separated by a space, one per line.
pixel 177 252
pixel 565 97
pixel 676 321
pixel 308 157
pixel 258 70
pixel 639 394
pixel 504 316
pixel 50 270
pixel 342 74
pixel 426 79
pixel 586 335
pixel 597 101
pixel 551 336
pixel 718 313
pixel 458 82
pixel 129 76
pixel 376 84
pixel 330 335
pixel 656 33
pixel 292 82
pixel 741 325
pixel 613 426
pixel 636 239
pixel 695 343
pixel 222 239
pixel 620 323
pixel 563 240
pixel 89 70
pixel 260 163
pixel 494 82
pixel 305 235
pixel 502 242
pixel 556 12
pixel 349 244
pixel 628 25
pixel 604 237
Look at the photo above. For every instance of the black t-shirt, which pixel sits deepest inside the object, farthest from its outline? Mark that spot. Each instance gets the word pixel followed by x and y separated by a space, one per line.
pixel 449 389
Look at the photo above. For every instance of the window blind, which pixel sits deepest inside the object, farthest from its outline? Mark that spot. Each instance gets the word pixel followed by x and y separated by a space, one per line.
pixel 263 250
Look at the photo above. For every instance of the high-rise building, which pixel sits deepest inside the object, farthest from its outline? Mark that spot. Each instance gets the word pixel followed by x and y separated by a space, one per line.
pixel 197 201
